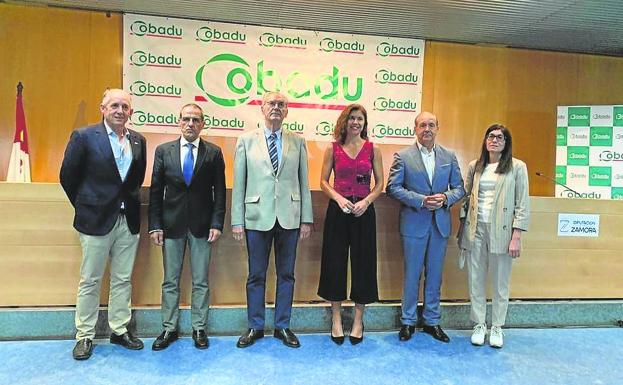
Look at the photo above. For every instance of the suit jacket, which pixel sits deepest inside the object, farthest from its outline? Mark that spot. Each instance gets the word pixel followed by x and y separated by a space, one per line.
pixel 408 182
pixel 91 180
pixel 260 197
pixel 510 207
pixel 175 207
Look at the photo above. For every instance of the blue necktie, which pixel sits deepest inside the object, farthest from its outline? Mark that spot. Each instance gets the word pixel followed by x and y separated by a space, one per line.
pixel 188 164
pixel 272 151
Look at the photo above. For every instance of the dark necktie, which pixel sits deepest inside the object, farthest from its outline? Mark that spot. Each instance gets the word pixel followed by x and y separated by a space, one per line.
pixel 188 164
pixel 272 151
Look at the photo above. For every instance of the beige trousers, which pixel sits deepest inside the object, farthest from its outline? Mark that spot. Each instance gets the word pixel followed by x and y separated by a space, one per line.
pixel 120 246
pixel 480 263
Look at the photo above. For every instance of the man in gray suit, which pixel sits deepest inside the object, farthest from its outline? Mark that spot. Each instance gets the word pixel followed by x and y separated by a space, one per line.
pixel 271 203
pixel 426 179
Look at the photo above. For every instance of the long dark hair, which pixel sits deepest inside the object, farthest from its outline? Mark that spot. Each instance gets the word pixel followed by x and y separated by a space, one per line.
pixel 506 160
pixel 339 132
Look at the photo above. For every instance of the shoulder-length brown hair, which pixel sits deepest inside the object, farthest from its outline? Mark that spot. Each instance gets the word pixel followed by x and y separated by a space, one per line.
pixel 339 132
pixel 506 160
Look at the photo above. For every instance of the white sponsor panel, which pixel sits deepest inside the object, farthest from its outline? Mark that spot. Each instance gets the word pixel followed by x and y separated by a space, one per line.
pixel 601 116
pixel 226 68
pixel 578 225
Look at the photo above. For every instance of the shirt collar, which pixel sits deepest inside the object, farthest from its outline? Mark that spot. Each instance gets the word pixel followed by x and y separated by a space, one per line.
pixel 423 149
pixel 268 132
pixel 183 142
pixel 109 130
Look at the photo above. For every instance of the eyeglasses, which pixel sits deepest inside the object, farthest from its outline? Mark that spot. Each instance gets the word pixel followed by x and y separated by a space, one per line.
pixel 500 138
pixel 276 103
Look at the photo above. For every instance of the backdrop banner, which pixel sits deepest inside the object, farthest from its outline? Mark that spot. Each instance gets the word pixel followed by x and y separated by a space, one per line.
pixel 589 152
pixel 226 68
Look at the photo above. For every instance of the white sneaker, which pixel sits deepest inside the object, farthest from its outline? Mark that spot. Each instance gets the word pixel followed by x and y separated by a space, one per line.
pixel 496 338
pixel 478 336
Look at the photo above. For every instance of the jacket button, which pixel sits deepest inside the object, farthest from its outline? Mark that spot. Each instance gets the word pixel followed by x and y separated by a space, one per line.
pixel 504 227
pixel 504 209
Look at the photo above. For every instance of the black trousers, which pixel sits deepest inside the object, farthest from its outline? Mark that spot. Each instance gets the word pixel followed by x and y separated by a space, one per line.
pixel 344 232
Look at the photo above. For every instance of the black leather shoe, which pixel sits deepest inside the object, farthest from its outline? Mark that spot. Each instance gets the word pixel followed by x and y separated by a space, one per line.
pixel 249 337
pixel 357 340
pixel 201 339
pixel 405 333
pixel 83 349
pixel 287 337
pixel 126 340
pixel 164 340
pixel 436 332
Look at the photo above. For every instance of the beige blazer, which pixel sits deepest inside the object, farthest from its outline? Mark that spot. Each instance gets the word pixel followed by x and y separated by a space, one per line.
pixel 259 196
pixel 510 207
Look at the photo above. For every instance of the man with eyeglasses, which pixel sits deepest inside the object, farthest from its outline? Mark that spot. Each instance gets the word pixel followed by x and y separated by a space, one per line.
pixel 102 172
pixel 271 204
pixel 186 209
pixel 425 178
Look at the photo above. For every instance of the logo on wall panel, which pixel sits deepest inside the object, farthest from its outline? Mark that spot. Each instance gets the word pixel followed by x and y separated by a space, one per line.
pixel 579 116
pixel 217 123
pixel 141 88
pixel 599 176
pixel 213 35
pixel 601 136
pixel 141 28
pixel 384 76
pixel 618 116
pixel 389 104
pixel 142 118
pixel 340 46
pixel 239 81
pixel 387 131
pixel 142 58
pixel 324 128
pixel 577 155
pixel 566 193
pixel 610 156
pixel 268 39
pixel 386 49
pixel 561 136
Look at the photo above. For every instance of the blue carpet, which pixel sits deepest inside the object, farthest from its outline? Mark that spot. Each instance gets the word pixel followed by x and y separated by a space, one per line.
pixel 529 357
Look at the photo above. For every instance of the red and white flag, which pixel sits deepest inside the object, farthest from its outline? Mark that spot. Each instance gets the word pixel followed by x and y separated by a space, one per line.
pixel 19 165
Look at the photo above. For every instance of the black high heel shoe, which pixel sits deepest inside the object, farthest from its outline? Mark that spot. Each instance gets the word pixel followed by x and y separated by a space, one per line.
pixel 357 340
pixel 338 340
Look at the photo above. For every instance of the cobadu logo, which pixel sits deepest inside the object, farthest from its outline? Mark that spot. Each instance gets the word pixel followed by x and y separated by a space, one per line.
pixel 597 136
pixel 578 117
pixel 389 104
pixel 618 116
pixel 384 76
pixel 610 156
pixel 141 28
pixel 566 193
pixel 386 49
pixel 296 127
pixel 559 176
pixel 270 40
pixel 386 131
pixel 575 175
pixel 601 116
pixel 561 117
pixel 239 81
pixel 141 88
pixel 560 136
pixel 579 136
pixel 578 156
pixel 223 123
pixel 207 34
pixel 324 128
pixel 142 58
pixel 334 45
pixel 141 118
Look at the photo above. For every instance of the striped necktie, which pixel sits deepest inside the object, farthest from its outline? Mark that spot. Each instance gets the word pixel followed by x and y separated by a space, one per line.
pixel 272 151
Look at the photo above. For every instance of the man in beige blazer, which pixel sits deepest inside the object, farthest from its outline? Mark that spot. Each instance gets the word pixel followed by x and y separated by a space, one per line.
pixel 271 203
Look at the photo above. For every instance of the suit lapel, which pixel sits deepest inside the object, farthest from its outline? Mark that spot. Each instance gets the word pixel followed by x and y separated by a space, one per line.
pixel 105 148
pixel 419 162
pixel 285 145
pixel 201 155
pixel 261 139
pixel 174 159
pixel 498 186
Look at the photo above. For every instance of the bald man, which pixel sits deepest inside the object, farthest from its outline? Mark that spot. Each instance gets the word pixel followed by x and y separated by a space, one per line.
pixel 425 178
pixel 102 172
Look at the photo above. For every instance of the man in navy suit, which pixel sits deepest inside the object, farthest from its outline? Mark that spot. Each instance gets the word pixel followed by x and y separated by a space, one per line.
pixel 426 179
pixel 102 172
pixel 186 207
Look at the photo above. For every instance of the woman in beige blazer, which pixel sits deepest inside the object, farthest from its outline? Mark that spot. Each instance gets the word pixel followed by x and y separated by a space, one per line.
pixel 493 216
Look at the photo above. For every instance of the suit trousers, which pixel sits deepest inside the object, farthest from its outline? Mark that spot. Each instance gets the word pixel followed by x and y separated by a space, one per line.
pixel 480 262
pixel 259 244
pixel 121 246
pixel 423 253
pixel 173 258
pixel 343 233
